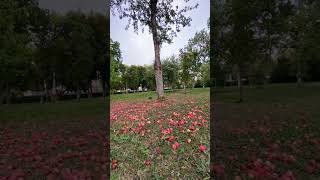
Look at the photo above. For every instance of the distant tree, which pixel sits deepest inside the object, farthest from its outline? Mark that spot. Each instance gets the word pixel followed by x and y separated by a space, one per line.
pixel 163 21
pixel 133 77
pixel 304 30
pixel 149 77
pixel 189 69
pixel 79 53
pixel 15 44
pixel 205 74
pixel 201 45
pixel 239 43
pixel 170 71
pixel 115 59
pixel 99 24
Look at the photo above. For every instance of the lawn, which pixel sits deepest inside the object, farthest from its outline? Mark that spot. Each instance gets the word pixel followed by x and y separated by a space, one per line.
pixel 160 140
pixel 63 140
pixel 273 134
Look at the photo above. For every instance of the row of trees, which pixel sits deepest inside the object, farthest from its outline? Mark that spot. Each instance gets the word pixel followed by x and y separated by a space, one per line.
pixel 163 18
pixel 266 40
pixel 189 69
pixel 41 50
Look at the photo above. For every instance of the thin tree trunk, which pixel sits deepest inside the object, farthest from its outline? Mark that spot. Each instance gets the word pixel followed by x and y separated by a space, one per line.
pixel 42 93
pixel 78 91
pixel 89 93
pixel 269 54
pixel 238 78
pixel 104 93
pixel 299 79
pixel 299 74
pixel 8 93
pixel 1 97
pixel 299 71
pixel 46 91
pixel 240 83
pixel 184 88
pixel 54 91
pixel 2 93
pixel 156 43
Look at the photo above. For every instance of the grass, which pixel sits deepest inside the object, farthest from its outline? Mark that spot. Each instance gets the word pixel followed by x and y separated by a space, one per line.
pixel 62 140
pixel 272 124
pixel 94 108
pixel 140 144
pixel 142 95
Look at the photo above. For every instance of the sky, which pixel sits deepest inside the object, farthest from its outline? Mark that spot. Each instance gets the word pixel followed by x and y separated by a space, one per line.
pixel 137 49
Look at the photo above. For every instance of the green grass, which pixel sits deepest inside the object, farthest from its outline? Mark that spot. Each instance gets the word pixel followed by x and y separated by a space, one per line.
pixel 152 94
pixel 288 111
pixel 132 148
pixel 94 109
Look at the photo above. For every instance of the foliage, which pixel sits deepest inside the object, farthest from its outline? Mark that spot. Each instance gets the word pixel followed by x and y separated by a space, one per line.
pixel 42 50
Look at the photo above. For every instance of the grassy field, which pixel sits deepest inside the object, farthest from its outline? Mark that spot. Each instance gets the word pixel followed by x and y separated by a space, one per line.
pixel 63 140
pixel 273 134
pixel 160 140
pixel 94 108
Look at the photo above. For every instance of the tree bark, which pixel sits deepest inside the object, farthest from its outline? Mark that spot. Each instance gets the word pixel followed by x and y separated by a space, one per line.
pixel 156 43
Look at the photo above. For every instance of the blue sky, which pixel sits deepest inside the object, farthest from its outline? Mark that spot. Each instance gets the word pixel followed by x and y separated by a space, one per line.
pixel 137 49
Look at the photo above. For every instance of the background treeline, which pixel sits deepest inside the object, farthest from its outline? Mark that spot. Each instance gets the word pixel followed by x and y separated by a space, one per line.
pixel 53 54
pixel 261 41
pixel 190 68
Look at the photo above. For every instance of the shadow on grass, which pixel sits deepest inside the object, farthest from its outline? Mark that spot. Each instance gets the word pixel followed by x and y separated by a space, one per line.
pixel 283 114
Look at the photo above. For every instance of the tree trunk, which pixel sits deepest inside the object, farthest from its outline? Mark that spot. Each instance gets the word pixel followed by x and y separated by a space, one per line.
pixel 240 83
pixel 8 94
pixel 269 55
pixel 46 91
pixel 299 79
pixel 156 43
pixel 1 97
pixel 104 82
pixel 78 91
pixel 103 89
pixel 184 88
pixel 89 89
pixel 42 93
pixel 238 78
pixel 299 74
pixel 54 91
